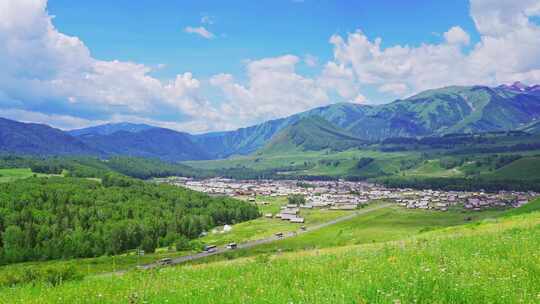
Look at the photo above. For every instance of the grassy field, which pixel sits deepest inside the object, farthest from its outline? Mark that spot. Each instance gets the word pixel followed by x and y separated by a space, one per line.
pixel 492 261
pixel 92 266
pixel 527 167
pixel 8 175
pixel 416 164
pixel 347 159
pixel 388 224
pixel 264 227
pixel 432 168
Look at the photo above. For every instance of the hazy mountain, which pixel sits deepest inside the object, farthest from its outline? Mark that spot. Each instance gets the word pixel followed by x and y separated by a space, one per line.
pixel 37 139
pixel 311 134
pixel 152 142
pixel 110 128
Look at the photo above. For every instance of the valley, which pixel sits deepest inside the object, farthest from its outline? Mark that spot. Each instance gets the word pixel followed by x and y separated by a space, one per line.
pixel 269 152
pixel 129 212
pixel 371 242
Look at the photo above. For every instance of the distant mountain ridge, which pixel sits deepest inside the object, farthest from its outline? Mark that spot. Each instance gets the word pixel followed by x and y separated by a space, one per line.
pixel 110 128
pixel 455 109
pixel 38 139
pixel 153 142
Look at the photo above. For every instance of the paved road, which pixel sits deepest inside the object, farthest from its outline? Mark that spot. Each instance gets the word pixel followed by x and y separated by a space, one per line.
pixel 249 244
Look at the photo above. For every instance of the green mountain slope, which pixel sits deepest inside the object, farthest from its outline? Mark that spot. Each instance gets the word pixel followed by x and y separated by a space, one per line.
pixel 521 169
pixel 456 109
pixel 311 134
pixel 441 111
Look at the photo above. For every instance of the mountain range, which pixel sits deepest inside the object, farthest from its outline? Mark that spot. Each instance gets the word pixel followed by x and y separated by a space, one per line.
pixel 455 109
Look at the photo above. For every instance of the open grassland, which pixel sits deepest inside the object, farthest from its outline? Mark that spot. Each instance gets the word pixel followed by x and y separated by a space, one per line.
pixel 8 175
pixel 493 261
pixel 399 164
pixel 433 168
pixel 524 168
pixel 269 161
pixel 265 227
pixel 392 223
pixel 88 266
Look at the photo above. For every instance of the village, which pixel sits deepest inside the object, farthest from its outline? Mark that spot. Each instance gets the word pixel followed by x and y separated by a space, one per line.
pixel 347 195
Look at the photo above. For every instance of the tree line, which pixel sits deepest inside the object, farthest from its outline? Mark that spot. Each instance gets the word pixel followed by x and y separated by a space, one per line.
pixel 54 218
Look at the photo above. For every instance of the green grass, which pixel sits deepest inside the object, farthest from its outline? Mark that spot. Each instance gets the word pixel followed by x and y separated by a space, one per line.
pixel 265 227
pixel 495 261
pixel 250 230
pixel 388 224
pixel 268 161
pixel 524 168
pixel 92 266
pixel 8 175
pixel 432 168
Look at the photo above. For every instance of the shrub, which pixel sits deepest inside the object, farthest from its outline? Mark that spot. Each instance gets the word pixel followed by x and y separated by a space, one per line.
pixel 51 275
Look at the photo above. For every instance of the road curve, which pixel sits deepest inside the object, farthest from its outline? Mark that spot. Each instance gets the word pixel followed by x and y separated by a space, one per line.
pixel 273 238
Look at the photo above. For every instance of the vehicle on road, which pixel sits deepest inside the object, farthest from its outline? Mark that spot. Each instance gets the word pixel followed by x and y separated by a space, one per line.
pixel 165 261
pixel 232 246
pixel 210 248
pixel 279 234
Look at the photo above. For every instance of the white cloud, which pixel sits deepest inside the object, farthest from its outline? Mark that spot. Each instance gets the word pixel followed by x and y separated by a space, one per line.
pixel 340 79
pixel 507 51
pixel 395 88
pixel 456 35
pixel 311 61
pixel 201 31
pixel 48 76
pixel 51 74
pixel 274 89
pixel 207 19
pixel 60 121
pixel 360 99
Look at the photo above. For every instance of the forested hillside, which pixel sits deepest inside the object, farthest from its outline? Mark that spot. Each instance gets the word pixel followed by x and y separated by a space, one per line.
pixel 52 218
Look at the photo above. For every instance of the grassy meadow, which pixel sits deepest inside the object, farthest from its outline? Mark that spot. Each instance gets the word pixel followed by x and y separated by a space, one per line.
pixel 265 227
pixel 8 175
pixel 387 224
pixel 490 261
pixel 324 162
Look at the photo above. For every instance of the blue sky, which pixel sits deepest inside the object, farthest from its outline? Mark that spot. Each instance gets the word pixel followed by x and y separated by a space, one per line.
pixel 202 66
pixel 151 32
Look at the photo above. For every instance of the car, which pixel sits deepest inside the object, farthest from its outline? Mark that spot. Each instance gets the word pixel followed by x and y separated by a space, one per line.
pixel 210 248
pixel 232 246
pixel 279 234
pixel 165 261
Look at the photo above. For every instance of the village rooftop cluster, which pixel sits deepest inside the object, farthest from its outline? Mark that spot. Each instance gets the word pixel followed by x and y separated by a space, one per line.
pixel 346 195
